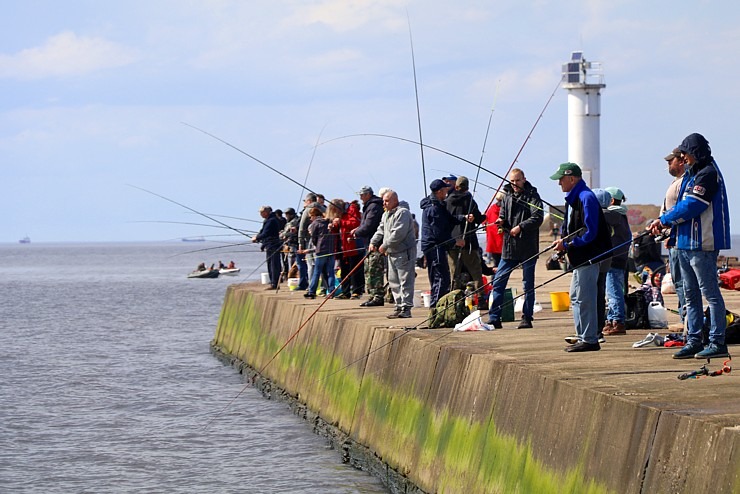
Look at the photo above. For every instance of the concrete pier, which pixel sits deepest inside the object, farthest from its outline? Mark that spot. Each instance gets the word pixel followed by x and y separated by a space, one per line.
pixel 501 411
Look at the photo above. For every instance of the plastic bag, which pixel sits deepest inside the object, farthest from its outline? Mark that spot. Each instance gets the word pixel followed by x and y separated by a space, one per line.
pixel 473 323
pixel 666 286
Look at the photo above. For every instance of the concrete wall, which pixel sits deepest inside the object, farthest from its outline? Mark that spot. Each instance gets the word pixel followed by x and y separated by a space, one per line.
pixel 455 419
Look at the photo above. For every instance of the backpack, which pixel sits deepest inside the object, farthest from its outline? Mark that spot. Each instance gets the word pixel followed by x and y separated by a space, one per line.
pixel 450 310
pixel 636 310
pixel 732 331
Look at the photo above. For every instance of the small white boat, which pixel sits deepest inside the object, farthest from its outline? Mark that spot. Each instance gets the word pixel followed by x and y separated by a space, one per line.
pixel 25 240
pixel 229 271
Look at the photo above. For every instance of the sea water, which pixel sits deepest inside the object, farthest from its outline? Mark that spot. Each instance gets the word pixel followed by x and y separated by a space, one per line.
pixel 107 383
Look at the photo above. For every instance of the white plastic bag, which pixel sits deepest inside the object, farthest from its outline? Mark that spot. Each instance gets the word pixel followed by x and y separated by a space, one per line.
pixel 473 323
pixel 667 286
pixel 658 315
pixel 519 305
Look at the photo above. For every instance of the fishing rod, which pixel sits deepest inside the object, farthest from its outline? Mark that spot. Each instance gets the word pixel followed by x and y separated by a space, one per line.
pixel 451 155
pixel 239 231
pixel 189 209
pixel 303 186
pixel 526 140
pixel 292 336
pixel 308 171
pixel 418 112
pixel 234 218
pixel 447 333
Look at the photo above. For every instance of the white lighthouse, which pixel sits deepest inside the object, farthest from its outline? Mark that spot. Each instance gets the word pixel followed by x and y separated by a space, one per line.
pixel 584 81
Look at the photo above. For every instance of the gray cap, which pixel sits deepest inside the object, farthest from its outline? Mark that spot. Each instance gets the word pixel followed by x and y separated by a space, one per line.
pixel 366 189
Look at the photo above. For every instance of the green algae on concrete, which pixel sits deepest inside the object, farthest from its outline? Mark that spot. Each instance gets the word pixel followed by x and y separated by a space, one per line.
pixel 437 449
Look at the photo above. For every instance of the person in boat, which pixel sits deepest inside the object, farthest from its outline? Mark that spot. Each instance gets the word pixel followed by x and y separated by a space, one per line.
pixel 231 265
pixel 201 267
pixel 221 265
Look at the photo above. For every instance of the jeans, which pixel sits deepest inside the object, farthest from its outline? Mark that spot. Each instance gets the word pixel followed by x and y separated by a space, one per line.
pixel 499 286
pixel 302 271
pixel 583 297
pixel 676 278
pixel 615 295
pixel 323 265
pixel 699 275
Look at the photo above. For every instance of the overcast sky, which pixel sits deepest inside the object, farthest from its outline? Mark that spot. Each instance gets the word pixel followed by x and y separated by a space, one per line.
pixel 94 96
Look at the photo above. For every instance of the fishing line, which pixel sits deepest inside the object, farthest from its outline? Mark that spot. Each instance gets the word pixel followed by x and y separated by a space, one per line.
pixel 308 171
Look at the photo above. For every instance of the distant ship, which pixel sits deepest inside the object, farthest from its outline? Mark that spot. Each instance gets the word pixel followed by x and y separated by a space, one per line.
pixel 25 240
pixel 193 239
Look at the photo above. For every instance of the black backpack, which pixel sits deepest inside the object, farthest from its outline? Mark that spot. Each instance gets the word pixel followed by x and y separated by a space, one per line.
pixel 636 311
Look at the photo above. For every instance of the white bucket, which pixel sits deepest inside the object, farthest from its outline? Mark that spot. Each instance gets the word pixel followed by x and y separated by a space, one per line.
pixel 293 283
pixel 265 278
pixel 426 299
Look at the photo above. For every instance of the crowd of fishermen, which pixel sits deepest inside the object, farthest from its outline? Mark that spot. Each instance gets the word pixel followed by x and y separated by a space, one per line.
pixel 375 239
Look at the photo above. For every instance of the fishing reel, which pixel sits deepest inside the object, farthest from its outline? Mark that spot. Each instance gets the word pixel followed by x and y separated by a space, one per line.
pixel 663 235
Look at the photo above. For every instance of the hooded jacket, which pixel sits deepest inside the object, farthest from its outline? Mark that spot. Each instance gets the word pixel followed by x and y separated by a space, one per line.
pixel 436 224
pixel 524 210
pixel 396 231
pixel 372 212
pixel 459 203
pixel 702 214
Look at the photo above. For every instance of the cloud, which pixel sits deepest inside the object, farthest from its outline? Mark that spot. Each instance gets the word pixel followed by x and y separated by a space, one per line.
pixel 348 15
pixel 66 55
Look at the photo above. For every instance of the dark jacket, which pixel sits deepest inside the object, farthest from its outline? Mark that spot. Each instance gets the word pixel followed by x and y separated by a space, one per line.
pixel 372 213
pixel 584 211
pixel 523 210
pixel 269 234
pixel 323 239
pixel 436 224
pixel 619 228
pixel 459 203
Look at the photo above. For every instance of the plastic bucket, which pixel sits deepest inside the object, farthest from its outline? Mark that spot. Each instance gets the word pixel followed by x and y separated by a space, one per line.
pixel 426 298
pixel 293 283
pixel 560 301
pixel 265 278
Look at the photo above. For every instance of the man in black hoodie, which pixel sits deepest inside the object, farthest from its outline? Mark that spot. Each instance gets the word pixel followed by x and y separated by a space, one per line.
pixel 269 237
pixel 436 238
pixel 520 218
pixel 465 252
pixel 372 213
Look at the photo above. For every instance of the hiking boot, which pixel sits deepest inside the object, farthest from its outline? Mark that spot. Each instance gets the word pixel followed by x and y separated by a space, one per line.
pixel 615 329
pixel 400 314
pixel 688 351
pixel 495 323
pixel 525 323
pixel 582 346
pixel 713 350
pixel 373 302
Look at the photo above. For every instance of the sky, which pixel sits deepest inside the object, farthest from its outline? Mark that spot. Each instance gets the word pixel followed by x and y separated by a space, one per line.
pixel 98 100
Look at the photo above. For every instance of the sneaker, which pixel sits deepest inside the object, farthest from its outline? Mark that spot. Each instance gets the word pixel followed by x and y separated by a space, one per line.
pixel 373 302
pixel 342 296
pixel 602 339
pixel 526 323
pixel 688 351
pixel 647 340
pixel 495 323
pixel 713 350
pixel 582 346
pixel 572 340
pixel 355 296
pixel 309 295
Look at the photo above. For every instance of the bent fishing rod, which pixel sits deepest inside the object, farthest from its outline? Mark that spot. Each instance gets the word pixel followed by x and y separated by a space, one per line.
pixel 452 155
pixel 303 186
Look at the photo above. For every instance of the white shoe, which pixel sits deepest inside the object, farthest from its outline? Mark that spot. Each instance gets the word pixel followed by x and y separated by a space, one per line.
pixel 648 340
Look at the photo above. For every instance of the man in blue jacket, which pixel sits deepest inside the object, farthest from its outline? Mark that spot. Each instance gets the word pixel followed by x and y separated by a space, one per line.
pixel 436 238
pixel 588 243
pixel 269 237
pixel 702 219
